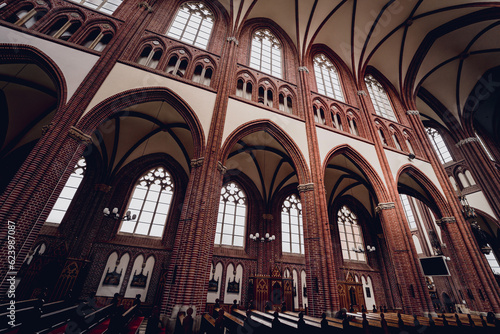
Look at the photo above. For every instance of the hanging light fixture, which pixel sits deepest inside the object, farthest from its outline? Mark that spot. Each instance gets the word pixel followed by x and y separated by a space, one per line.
pixel 265 238
pixel 115 215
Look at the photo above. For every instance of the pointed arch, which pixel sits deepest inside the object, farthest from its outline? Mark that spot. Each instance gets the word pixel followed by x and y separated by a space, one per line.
pixel 365 167
pixel 277 133
pixel 435 199
pixel 105 109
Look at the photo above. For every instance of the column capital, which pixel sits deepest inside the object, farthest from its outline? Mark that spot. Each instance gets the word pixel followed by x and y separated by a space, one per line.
pixel 305 187
pixel 102 187
pixel 145 5
pixel 466 141
pixel 221 168
pixel 303 69
pixel 233 39
pixel 446 220
pixel 385 206
pixel 413 112
pixel 79 136
pixel 195 163
pixel 361 93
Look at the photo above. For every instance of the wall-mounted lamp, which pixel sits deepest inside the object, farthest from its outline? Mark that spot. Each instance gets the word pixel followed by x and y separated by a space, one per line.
pixel 360 249
pixel 114 214
pixel 411 156
pixel 266 237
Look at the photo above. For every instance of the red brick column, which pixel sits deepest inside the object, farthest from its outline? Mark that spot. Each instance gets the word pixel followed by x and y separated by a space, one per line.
pixel 402 251
pixel 190 267
pixel 36 189
pixel 465 255
pixel 321 277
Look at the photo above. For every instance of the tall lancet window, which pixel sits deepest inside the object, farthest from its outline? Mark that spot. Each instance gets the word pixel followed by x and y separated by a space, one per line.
pixel 192 24
pixel 439 145
pixel 231 220
pixel 265 55
pixel 350 235
pixel 68 192
pixel 292 239
pixel 379 98
pixel 327 78
pixel 151 201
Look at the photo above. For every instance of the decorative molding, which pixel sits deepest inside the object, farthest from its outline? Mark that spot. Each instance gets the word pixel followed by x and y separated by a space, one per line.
pixel 102 187
pixel 197 162
pixel 466 141
pixel 78 135
pixel 385 206
pixel 233 39
pixel 221 168
pixel 303 69
pixel 47 128
pixel 413 112
pixel 146 6
pixel 362 93
pixel 305 187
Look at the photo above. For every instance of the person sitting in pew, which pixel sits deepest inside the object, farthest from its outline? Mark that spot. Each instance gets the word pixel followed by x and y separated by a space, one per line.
pixel 341 314
pixel 363 309
pixel 220 324
pixel 374 309
pixel 324 323
pixel 234 306
pixel 301 324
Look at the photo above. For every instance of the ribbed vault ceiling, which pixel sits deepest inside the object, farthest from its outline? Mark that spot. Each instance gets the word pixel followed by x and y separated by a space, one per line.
pixel 441 46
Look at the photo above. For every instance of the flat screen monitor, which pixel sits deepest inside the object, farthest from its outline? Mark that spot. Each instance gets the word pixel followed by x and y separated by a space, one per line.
pixel 434 266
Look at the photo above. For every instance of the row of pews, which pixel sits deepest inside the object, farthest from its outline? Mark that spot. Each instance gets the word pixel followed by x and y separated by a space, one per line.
pixel 258 322
pixel 34 316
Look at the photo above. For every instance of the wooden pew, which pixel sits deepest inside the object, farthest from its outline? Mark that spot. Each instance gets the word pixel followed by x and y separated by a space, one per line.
pixel 207 324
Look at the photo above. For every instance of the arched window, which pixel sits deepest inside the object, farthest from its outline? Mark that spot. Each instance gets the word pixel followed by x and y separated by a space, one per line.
pixel 292 240
pixel 408 143
pixel 379 98
pixel 151 201
pixel 327 78
pixel 439 145
pixel 231 220
pixel 410 217
pixel 150 57
pixel 192 24
pixel 104 6
pixel 97 40
pixel 265 55
pixel 64 28
pixel 27 16
pixel 202 75
pixel 395 139
pixel 68 192
pixel 177 66
pixel 350 235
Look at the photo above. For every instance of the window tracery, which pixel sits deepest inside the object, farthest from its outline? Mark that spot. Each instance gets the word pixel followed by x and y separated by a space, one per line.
pixel 265 55
pixel 291 226
pixel 350 235
pixel 230 229
pixel 193 24
pixel 327 78
pixel 379 98
pixel 151 201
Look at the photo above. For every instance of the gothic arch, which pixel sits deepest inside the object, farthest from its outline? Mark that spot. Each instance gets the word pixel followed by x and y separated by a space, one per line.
pixel 364 166
pixel 116 103
pixel 436 200
pixel 279 135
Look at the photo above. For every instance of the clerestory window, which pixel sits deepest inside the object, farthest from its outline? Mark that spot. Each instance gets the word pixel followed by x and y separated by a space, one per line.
pixel 327 78
pixel 265 55
pixel 192 24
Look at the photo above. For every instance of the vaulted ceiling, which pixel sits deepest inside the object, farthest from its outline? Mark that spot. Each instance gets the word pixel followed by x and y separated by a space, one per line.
pixel 429 50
